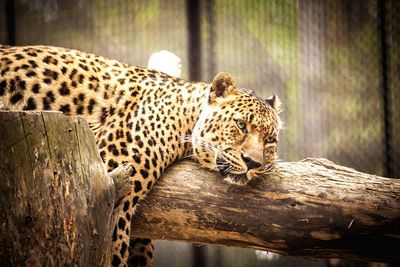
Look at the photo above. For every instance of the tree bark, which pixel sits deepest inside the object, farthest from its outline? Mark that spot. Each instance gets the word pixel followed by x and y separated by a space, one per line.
pixel 56 202
pixel 56 199
pixel 312 208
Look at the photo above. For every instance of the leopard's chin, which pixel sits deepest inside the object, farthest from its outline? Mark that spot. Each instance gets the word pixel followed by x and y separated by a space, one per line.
pixel 238 179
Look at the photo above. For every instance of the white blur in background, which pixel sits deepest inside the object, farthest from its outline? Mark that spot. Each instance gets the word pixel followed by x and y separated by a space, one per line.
pixel 167 62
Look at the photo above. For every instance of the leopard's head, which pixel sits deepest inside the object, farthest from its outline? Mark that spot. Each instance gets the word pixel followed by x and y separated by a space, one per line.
pixel 237 132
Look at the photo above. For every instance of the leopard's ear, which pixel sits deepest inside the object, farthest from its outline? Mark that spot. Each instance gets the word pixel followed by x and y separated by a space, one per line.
pixel 222 86
pixel 274 102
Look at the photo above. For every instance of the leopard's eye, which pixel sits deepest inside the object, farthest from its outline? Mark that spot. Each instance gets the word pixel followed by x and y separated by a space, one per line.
pixel 241 125
pixel 270 140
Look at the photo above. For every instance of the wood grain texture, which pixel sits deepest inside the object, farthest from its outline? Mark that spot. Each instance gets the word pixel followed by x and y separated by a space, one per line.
pixel 312 208
pixel 56 198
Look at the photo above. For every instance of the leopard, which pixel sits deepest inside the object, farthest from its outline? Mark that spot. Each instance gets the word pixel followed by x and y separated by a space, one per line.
pixel 146 118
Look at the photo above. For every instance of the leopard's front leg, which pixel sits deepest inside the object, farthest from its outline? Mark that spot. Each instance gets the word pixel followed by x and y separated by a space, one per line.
pixel 126 251
pixel 140 252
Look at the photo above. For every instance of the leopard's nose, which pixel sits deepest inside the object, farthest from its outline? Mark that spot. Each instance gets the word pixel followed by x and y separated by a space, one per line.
pixel 251 164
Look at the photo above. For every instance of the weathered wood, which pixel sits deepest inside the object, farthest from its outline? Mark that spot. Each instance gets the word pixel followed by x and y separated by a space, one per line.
pixel 312 208
pixel 56 199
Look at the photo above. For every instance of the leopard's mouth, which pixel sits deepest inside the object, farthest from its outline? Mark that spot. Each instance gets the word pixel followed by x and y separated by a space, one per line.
pixel 224 169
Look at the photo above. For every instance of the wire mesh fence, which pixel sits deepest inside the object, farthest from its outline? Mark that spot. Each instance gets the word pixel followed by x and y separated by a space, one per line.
pixel 335 63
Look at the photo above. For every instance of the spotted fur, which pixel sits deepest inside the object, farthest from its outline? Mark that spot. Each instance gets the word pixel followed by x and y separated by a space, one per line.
pixel 146 118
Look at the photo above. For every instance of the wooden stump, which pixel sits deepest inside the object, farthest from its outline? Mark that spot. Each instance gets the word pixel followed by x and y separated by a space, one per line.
pixel 56 199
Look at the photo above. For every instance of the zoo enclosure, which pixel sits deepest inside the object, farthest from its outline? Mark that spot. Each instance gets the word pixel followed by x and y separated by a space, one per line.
pixel 335 64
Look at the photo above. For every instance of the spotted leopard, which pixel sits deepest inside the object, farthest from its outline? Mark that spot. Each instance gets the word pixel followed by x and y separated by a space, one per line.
pixel 146 118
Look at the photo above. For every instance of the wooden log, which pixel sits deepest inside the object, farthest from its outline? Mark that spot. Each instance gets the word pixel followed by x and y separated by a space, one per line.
pixel 56 199
pixel 313 208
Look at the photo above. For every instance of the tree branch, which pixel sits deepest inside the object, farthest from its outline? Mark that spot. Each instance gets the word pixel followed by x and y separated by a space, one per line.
pixel 311 208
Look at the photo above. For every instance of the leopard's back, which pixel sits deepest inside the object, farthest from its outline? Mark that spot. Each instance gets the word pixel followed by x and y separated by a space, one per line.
pixel 59 79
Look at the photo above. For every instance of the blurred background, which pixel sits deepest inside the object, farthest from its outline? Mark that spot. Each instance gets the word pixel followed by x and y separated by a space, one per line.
pixel 335 64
